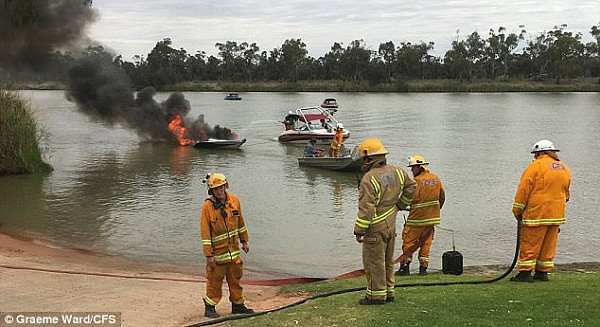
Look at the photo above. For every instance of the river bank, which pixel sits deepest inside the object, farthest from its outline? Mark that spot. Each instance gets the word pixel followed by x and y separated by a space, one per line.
pixel 416 86
pixel 39 276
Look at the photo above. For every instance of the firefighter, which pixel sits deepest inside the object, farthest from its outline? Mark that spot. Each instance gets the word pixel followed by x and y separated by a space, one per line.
pixel 338 139
pixel 384 189
pixel 540 204
pixel 223 228
pixel 424 214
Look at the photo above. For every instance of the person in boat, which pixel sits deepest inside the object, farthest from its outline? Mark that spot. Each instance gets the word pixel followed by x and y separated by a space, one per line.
pixel 223 229
pixel 338 139
pixel 424 215
pixel 311 149
pixel 384 190
pixel 325 125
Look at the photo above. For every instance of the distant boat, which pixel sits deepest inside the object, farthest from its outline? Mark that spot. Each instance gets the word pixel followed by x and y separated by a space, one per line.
pixel 219 144
pixel 233 96
pixel 330 103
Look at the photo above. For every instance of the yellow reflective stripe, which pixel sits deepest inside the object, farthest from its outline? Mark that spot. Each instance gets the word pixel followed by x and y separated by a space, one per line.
pixel 391 290
pixel 526 263
pixel 242 229
pixel 383 216
pixel 543 221
pixel 519 205
pixel 545 263
pixel 424 258
pixel 227 256
pixel 209 301
pixel 405 200
pixel 225 236
pixel 400 179
pixel 377 188
pixel 206 242
pixel 376 293
pixel 419 222
pixel 362 223
pixel 425 204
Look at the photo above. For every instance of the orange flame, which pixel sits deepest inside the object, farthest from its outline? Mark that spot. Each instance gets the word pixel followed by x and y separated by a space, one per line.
pixel 176 126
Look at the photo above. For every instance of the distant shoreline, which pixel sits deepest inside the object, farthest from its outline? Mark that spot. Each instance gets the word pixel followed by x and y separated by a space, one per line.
pixel 412 86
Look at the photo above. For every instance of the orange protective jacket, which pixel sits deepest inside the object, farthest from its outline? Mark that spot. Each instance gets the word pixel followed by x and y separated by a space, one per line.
pixel 543 192
pixel 429 199
pixel 221 236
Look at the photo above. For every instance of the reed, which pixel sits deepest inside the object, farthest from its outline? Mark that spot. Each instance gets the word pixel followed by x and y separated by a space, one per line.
pixel 19 137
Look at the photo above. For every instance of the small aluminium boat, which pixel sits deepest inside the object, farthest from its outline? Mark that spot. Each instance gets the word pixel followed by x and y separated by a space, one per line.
pixel 219 144
pixel 233 96
pixel 349 162
pixel 309 123
pixel 345 163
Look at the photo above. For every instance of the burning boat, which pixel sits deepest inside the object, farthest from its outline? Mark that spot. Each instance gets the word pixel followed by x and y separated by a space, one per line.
pixel 202 136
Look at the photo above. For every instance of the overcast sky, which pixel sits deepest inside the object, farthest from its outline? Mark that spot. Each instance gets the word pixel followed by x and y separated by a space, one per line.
pixel 131 27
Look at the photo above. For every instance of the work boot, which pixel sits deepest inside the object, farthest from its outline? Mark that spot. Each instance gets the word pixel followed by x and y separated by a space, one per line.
pixel 209 311
pixel 365 301
pixel 240 308
pixel 389 299
pixel 540 276
pixel 422 271
pixel 404 270
pixel 522 276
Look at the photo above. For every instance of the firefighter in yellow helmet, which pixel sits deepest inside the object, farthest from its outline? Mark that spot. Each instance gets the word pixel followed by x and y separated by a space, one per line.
pixel 424 214
pixel 540 203
pixel 223 229
pixel 384 190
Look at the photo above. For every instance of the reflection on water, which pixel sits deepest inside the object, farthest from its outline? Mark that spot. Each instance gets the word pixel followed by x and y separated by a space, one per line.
pixel 112 192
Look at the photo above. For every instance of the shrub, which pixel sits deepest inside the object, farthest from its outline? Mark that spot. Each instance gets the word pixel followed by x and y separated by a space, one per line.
pixel 19 137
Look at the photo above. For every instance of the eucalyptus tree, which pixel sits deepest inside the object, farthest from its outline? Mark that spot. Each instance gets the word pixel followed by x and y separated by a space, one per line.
pixel 498 51
pixel 387 52
pixel 354 61
pixel 293 57
pixel 593 53
pixel 238 60
pixel 166 65
pixel 331 62
pixel 411 59
pixel 557 53
pixel 457 62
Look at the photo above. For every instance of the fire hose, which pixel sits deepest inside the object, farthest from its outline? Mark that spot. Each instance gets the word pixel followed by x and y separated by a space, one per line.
pixel 356 289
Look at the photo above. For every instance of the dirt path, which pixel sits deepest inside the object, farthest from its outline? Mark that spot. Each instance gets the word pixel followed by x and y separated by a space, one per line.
pixel 140 302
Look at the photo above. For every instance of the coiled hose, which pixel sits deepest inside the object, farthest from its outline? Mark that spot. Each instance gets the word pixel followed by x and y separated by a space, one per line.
pixel 356 289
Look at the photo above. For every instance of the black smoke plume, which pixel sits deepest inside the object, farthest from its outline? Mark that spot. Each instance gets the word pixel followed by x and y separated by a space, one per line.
pixel 32 31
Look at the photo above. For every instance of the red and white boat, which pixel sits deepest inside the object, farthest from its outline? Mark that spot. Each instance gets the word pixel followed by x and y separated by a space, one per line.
pixel 309 123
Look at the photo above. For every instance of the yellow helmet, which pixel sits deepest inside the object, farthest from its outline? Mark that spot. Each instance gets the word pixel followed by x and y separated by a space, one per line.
pixel 371 147
pixel 418 160
pixel 215 180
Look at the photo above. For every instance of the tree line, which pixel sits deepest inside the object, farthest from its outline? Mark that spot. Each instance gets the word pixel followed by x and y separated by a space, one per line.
pixel 552 55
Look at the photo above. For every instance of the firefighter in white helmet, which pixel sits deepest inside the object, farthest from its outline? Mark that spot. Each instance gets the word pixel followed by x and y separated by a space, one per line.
pixel 424 214
pixel 223 229
pixel 338 139
pixel 384 190
pixel 540 205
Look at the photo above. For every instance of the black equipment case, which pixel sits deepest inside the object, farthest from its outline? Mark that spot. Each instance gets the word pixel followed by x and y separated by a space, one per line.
pixel 452 263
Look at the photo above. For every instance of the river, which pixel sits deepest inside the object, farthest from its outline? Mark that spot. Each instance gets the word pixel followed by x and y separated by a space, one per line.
pixel 113 192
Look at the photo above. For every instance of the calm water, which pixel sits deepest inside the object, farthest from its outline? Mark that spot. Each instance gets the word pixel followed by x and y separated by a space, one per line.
pixel 112 192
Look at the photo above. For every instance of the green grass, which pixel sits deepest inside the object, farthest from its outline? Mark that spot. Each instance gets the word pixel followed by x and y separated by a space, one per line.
pixel 569 299
pixel 19 137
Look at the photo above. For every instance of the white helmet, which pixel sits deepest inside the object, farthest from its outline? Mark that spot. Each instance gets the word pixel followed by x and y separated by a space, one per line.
pixel 340 125
pixel 543 145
